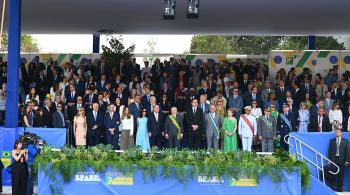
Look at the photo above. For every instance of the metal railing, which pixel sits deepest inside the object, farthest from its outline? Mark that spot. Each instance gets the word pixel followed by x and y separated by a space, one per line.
pixel 318 157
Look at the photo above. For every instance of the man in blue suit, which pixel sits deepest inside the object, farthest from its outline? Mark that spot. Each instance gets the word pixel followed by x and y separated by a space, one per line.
pixel 236 103
pixel 111 123
pixel 156 126
pixel 315 107
pixel 101 83
pixel 203 105
pixel 253 96
pixel 146 98
pixel 285 125
pixel 94 125
pixel 135 108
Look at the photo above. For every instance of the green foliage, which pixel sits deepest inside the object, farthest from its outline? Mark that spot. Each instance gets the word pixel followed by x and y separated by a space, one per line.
pixel 28 44
pixel 116 50
pixel 184 165
pixel 218 44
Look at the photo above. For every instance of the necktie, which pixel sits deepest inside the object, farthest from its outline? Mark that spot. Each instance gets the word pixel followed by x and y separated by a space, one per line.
pixel 268 90
pixel 194 111
pixel 111 115
pixel 90 98
pixel 338 145
pixel 157 117
pixel 62 118
pixel 267 117
pixel 203 107
pixel 95 115
pixel 147 98
pixel 254 96
pixel 72 95
pixel 319 124
pixel 282 89
pixel 235 96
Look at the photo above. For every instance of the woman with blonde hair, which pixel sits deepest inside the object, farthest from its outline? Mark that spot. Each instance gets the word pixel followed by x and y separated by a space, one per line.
pixel 230 132
pixel 80 128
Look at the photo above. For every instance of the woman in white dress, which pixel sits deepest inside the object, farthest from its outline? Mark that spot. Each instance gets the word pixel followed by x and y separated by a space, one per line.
pixel 335 116
pixel 256 111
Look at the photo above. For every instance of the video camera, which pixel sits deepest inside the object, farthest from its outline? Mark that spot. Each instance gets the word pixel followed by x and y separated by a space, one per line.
pixel 31 138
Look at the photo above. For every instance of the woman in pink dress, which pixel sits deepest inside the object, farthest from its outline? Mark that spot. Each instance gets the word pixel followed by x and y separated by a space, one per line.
pixel 80 128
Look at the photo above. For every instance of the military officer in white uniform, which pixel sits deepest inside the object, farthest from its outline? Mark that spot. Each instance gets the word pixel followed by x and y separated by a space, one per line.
pixel 247 129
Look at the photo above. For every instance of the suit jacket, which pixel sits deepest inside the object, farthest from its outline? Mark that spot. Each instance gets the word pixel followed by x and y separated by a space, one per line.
pixel 282 127
pixel 134 111
pixel 107 70
pixel 311 90
pixel 100 86
pixel 236 103
pixel 205 109
pixel 134 70
pixel 91 122
pixel 344 154
pixel 87 98
pixel 248 99
pixel 170 94
pixel 313 125
pixel 144 101
pixel 170 128
pixel 327 106
pixel 154 126
pixel 111 122
pixel 345 123
pixel 263 128
pixel 337 96
pixel 73 111
pixel 57 120
pixel 265 94
pixel 194 119
pixel 209 126
pixel 281 96
pixel 123 100
pixel 47 117
pixel 69 98
pixel 207 92
pixel 313 110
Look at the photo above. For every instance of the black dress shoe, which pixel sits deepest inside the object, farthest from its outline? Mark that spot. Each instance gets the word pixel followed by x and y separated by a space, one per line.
pixel 340 190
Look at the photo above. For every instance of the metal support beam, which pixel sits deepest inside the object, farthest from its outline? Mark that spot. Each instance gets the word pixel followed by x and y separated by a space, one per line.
pixel 96 43
pixel 14 49
pixel 311 44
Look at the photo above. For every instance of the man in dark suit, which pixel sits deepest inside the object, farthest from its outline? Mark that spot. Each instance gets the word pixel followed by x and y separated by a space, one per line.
pixel 173 128
pixel 47 113
pixel 73 110
pixel 100 85
pixel 111 123
pixel 94 125
pixel 280 92
pixel 338 152
pixel 134 69
pixel 253 96
pixel 156 126
pixel 194 121
pixel 346 120
pixel 119 94
pixel 205 90
pixel 243 85
pixel 285 125
pixel 168 92
pixel 145 100
pixel 320 123
pixel 308 88
pixel 336 91
pixel 122 69
pixel 102 104
pixel 315 107
pixel 59 117
pixel 236 103
pixel 135 108
pixel 103 68
pixel 90 99
pixel 71 96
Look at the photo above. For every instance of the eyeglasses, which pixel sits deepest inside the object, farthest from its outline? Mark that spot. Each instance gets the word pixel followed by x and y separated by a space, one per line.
pixel 253 103
pixel 59 106
pixel 80 100
pixel 235 91
pixel 220 101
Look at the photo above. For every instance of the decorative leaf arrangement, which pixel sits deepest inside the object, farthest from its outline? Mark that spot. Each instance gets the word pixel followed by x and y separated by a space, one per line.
pixel 184 164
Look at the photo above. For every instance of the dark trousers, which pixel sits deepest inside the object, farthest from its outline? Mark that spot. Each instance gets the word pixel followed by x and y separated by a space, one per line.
pixel 337 183
pixel 156 140
pixel 194 137
pixel 93 139
pixel 30 184
pixel 112 139
pixel 19 178
pixel 174 142
pixel 0 180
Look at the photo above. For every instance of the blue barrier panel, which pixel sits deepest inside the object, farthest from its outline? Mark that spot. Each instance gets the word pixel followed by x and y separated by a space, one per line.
pixel 7 140
pixel 113 182
pixel 320 142
pixel 54 136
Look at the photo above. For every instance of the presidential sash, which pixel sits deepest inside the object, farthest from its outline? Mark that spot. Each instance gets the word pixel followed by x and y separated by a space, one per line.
pixel 177 126
pixel 216 127
pixel 248 123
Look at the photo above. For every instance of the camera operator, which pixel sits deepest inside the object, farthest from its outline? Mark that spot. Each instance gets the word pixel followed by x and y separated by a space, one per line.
pixel 33 150
pixel 19 169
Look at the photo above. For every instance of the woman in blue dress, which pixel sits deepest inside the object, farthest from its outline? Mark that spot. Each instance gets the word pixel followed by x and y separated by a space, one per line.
pixel 304 117
pixel 142 139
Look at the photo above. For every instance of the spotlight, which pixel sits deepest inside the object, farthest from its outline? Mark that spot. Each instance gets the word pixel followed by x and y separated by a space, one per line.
pixel 169 10
pixel 192 8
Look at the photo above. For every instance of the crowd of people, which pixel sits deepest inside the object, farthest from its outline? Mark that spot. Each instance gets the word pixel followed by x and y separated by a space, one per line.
pixel 176 104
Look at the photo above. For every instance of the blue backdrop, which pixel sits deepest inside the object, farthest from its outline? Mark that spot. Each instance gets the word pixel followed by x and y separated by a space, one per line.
pixel 290 185
pixel 54 137
pixel 320 141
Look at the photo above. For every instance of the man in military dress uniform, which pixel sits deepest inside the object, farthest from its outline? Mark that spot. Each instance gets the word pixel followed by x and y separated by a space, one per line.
pixel 285 125
pixel 266 130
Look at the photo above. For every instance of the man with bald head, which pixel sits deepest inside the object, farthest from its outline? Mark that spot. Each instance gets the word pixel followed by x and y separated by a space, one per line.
pixel 94 125
pixel 156 127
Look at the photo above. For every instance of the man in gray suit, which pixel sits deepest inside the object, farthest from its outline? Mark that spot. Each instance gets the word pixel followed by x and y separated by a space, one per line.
pixel 203 105
pixel 212 122
pixel 236 103
pixel 174 128
pixel 267 130
pixel 328 102
pixel 266 91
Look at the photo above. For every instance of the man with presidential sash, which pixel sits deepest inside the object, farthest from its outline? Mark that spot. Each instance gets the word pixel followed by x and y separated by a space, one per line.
pixel 285 125
pixel 174 129
pixel 212 122
pixel 266 130
pixel 247 129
